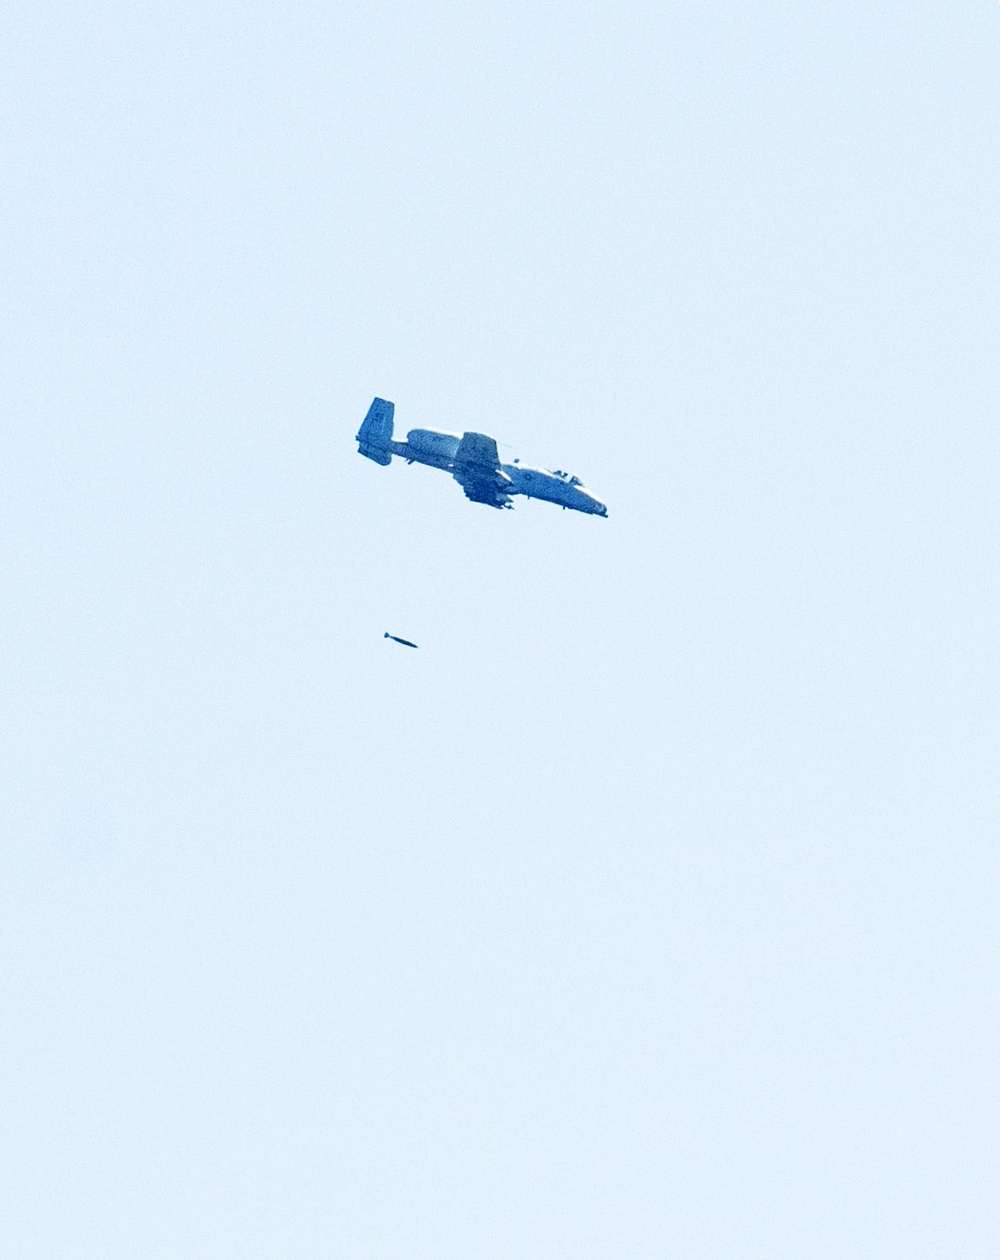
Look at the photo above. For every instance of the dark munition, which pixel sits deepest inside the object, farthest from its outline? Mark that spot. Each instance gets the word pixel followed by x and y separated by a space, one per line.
pixel 396 639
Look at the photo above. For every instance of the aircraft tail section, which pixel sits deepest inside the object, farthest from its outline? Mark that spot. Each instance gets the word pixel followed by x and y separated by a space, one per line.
pixel 375 435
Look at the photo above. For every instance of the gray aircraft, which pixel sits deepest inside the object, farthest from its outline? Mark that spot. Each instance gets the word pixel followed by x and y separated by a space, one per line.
pixel 473 461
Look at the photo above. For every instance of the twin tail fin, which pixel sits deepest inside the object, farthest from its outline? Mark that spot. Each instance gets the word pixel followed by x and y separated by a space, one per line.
pixel 375 433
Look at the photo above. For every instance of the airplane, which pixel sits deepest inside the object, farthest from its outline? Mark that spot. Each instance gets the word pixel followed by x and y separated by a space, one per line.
pixel 473 460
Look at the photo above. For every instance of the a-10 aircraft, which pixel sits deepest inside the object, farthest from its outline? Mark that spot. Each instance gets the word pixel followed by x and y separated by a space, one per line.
pixel 473 461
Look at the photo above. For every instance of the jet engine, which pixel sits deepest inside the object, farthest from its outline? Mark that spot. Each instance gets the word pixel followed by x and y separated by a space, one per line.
pixel 433 443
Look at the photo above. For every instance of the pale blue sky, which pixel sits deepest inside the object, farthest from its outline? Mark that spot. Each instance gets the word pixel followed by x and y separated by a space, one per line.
pixel 650 909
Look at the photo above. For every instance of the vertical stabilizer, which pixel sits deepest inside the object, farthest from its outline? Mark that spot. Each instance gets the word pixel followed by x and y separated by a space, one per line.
pixel 375 433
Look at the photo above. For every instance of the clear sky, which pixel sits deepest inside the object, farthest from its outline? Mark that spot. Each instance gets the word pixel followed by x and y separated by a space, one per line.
pixel 651 908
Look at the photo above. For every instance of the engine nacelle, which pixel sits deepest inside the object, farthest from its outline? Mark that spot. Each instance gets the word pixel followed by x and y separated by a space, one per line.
pixel 431 442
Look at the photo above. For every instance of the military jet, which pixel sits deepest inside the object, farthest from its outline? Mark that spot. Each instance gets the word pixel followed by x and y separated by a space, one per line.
pixel 473 461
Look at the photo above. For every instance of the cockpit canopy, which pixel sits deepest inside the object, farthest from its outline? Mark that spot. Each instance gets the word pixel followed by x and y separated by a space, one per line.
pixel 567 477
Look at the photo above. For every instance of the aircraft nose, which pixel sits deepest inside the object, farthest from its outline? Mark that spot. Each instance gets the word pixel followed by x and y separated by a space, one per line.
pixel 593 504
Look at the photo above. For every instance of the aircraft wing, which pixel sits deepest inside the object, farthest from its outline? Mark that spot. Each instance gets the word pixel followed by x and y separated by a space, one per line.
pixel 478 451
pixel 477 470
